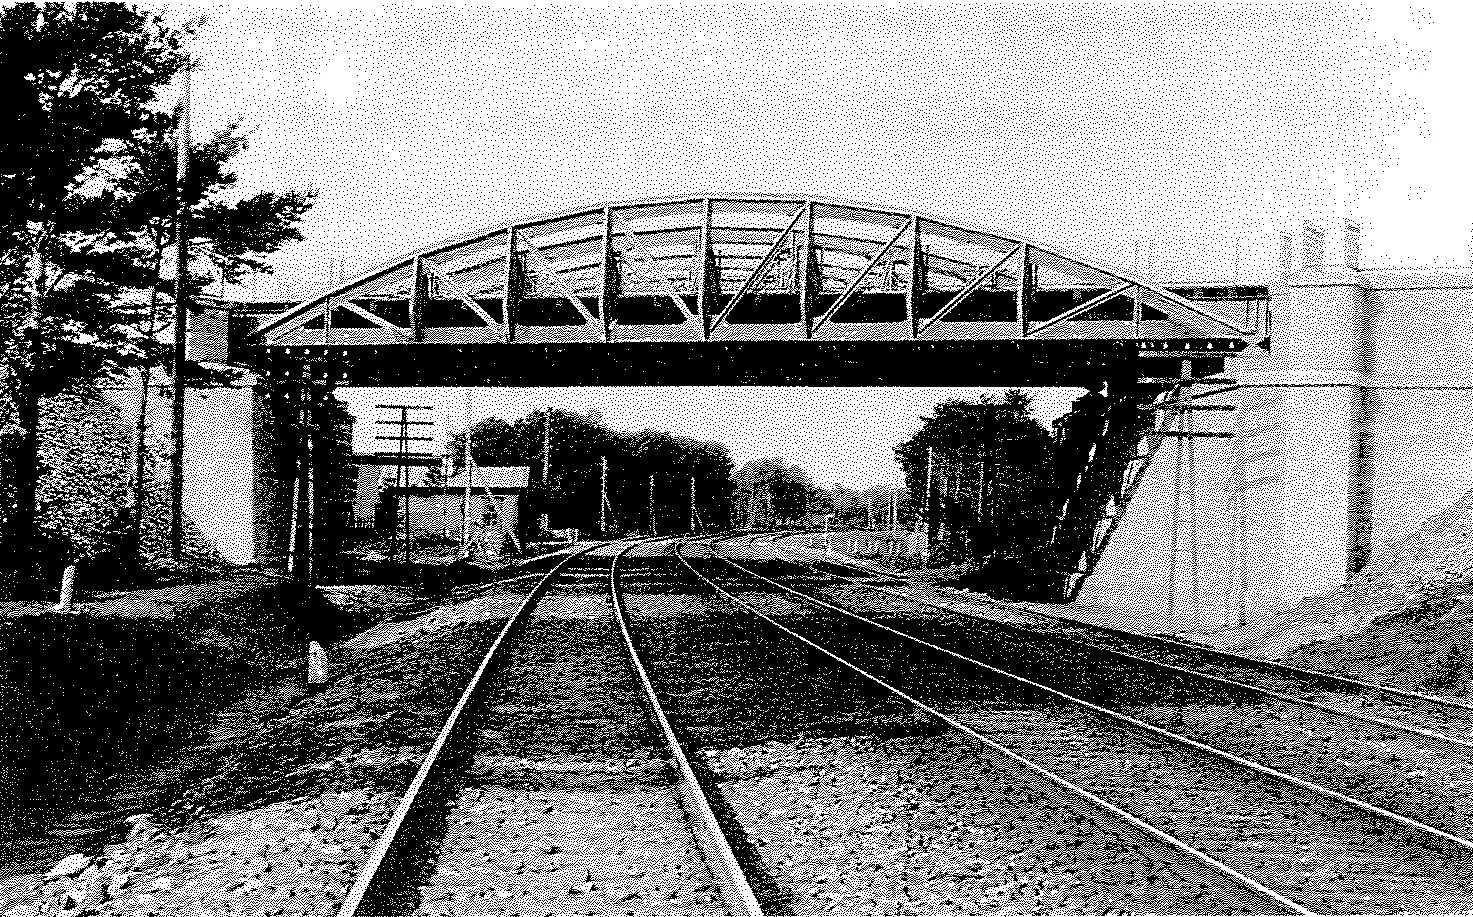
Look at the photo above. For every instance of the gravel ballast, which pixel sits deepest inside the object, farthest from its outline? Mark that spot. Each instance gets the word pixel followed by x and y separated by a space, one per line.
pixel 1420 778
pixel 1322 853
pixel 855 804
pixel 567 807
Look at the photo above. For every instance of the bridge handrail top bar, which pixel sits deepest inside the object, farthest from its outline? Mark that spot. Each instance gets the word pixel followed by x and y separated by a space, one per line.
pixel 873 210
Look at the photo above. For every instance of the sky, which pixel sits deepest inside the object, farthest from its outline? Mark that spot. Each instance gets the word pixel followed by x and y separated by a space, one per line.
pixel 1180 131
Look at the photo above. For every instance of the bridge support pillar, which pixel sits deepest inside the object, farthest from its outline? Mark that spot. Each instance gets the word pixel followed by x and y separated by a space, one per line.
pixel 220 469
pixel 1310 410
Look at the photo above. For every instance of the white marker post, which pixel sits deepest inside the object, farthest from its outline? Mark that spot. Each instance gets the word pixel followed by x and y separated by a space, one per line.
pixel 68 581
pixel 316 667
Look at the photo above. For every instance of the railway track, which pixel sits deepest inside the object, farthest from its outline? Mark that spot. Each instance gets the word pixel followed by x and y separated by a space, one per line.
pixel 1384 760
pixel 556 783
pixel 879 817
pixel 1304 846
pixel 1447 716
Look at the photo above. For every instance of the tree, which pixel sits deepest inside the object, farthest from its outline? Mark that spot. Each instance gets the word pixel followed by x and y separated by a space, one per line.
pixel 772 492
pixel 228 237
pixel 991 488
pixel 868 507
pixel 579 446
pixel 78 80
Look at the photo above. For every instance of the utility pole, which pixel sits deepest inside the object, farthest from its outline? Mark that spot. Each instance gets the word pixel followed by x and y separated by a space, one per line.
pixel 181 315
pixel 402 477
pixel 309 499
pixel 981 484
pixel 693 504
pixel 547 465
pixel 652 505
pixel 930 515
pixel 547 449
pixel 603 496
pixel 469 467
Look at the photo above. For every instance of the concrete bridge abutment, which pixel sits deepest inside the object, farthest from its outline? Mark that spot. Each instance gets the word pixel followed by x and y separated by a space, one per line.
pixel 242 443
pixel 1349 435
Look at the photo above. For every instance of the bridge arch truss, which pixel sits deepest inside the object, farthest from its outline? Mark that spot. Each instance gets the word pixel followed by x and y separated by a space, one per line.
pixel 743 268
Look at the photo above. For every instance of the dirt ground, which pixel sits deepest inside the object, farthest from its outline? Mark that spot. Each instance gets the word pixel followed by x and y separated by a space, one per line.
pixel 275 809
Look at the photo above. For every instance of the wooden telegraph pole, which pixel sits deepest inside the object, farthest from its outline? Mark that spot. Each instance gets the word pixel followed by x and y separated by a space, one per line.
pixel 652 504
pixel 603 496
pixel 469 466
pixel 547 467
pixel 403 478
pixel 930 514
pixel 181 316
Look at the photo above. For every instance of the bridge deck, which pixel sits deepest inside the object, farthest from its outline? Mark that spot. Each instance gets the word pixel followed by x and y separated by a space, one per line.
pixel 1030 362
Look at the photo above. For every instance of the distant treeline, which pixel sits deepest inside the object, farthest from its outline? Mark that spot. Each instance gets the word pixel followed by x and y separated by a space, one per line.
pixel 991 488
pixel 649 480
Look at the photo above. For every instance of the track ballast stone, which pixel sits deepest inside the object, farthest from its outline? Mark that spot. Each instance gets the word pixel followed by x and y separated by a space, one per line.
pixel 856 804
pixel 567 807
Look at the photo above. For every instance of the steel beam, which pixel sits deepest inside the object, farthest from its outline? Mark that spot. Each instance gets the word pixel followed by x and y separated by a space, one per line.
pixel 708 283
pixel 376 319
pixel 1093 302
pixel 822 240
pixel 853 289
pixel 511 288
pixel 915 291
pixel 968 290
pixel 761 269
pixel 558 281
pixel 608 286
pixel 806 276
pixel 465 298
pixel 417 296
pixel 647 262
pixel 1024 296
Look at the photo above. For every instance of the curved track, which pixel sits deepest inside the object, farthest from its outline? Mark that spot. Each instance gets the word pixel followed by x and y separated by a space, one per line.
pixel 1430 713
pixel 1253 821
pixel 1375 757
pixel 1184 857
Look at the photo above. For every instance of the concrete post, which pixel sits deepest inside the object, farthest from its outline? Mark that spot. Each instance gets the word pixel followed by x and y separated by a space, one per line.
pixel 316 667
pixel 68 582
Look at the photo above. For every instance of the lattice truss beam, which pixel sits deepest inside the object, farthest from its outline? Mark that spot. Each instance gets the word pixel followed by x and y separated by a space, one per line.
pixel 743 268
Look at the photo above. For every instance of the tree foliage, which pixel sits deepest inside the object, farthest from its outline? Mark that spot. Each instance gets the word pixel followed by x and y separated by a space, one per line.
pixel 78 81
pixel 770 492
pixel 991 488
pixel 578 444
pixel 88 194
pixel 862 508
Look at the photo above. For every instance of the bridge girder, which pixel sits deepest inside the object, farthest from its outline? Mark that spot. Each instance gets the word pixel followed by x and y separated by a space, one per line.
pixel 739 269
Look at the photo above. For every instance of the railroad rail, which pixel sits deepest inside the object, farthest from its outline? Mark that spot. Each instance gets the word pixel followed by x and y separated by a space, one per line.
pixel 1447 714
pixel 1031 647
pixel 1277 902
pixel 1291 684
pixel 380 886
pixel 722 861
pixel 1075 724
